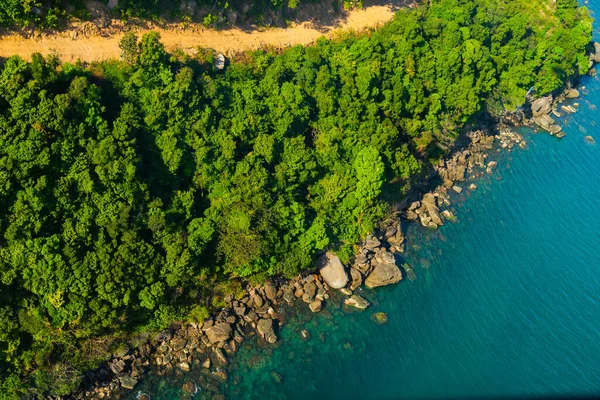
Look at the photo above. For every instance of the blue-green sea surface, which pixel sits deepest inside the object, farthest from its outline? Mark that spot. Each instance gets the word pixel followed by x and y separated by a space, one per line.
pixel 506 303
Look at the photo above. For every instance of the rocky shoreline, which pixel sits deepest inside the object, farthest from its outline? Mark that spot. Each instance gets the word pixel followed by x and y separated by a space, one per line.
pixel 206 348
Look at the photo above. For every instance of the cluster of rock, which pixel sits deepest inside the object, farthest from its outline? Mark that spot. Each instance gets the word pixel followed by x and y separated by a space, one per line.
pixel 542 107
pixel 432 210
pixel 205 348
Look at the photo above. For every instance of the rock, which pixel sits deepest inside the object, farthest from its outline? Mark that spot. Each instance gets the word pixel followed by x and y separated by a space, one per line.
pixel 457 189
pixel 179 344
pixel 219 332
pixel 310 290
pixel 372 242
pixel 221 356
pixel 277 377
pixel 383 274
pixel 384 257
pixel 472 187
pixel 184 366
pixel 346 291
pixel 357 302
pixel 315 306
pixel 270 291
pixel 304 334
pixel 240 311
pixel 206 363
pixel 257 300
pixel 128 382
pixel 112 4
pixel 189 387
pixel 219 62
pixel 542 106
pixel 571 93
pixel 590 139
pixel 231 17
pixel 288 295
pixel 357 278
pixel 265 329
pixel 117 366
pixel 492 164
pixel 448 215
pixel 332 270
pixel 595 53
pixel 428 203
pixel 380 318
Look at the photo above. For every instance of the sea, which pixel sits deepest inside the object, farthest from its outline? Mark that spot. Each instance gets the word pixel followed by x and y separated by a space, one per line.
pixel 506 302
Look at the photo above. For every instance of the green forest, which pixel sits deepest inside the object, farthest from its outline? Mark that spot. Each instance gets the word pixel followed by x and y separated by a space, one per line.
pixel 54 13
pixel 136 192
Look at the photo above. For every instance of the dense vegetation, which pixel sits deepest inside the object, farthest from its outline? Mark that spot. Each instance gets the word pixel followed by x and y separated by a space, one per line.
pixel 132 190
pixel 53 13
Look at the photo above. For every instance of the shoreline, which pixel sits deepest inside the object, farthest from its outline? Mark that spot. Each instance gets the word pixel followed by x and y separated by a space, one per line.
pixel 207 347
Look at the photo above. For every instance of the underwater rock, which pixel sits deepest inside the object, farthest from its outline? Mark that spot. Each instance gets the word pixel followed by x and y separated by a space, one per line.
pixel 380 318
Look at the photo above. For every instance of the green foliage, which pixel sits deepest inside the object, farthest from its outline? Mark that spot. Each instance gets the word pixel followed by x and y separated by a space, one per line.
pixel 127 199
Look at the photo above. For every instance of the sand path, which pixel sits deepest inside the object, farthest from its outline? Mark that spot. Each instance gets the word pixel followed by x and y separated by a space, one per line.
pixel 88 48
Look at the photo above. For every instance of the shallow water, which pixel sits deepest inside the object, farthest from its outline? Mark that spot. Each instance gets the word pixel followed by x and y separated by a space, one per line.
pixel 506 301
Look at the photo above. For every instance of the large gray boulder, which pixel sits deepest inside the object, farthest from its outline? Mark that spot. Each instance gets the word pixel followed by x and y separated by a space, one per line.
pixel 332 270
pixel 219 333
pixel 383 275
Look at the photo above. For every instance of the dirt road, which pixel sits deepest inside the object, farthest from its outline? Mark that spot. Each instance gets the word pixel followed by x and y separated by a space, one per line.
pixel 71 46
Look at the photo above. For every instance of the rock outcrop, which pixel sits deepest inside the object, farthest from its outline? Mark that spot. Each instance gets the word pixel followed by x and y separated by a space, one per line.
pixel 332 270
pixel 540 110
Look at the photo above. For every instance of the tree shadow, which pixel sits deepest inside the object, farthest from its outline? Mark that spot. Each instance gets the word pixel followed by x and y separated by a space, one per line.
pixel 322 15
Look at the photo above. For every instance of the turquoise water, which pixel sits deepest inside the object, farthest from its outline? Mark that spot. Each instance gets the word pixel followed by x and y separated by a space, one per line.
pixel 507 299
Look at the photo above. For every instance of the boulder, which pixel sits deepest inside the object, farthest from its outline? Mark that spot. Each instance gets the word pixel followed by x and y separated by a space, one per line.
pixel 357 302
pixel 383 256
pixel 383 275
pixel 221 356
pixel 128 382
pixel 332 270
pixel 219 333
pixel 270 291
pixel 310 290
pixel 189 388
pixel 184 366
pixel 316 306
pixel 542 106
pixel 357 278
pixel 380 318
pixel 219 62
pixel 595 53
pixel 117 366
pixel 571 93
pixel 112 4
pixel 265 329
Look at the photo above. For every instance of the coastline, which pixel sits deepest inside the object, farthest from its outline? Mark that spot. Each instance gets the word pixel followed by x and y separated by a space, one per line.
pixel 208 347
